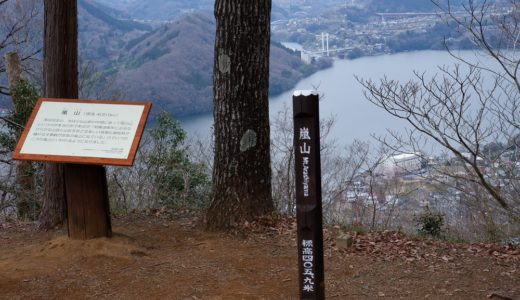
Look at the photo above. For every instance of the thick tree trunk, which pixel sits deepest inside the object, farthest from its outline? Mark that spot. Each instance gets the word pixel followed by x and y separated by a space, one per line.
pixel 60 75
pixel 76 191
pixel 54 208
pixel 242 168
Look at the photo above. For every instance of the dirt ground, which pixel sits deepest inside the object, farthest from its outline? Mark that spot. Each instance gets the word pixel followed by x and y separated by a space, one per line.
pixel 153 257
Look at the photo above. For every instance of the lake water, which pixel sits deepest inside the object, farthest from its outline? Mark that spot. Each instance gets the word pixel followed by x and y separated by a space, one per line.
pixel 356 118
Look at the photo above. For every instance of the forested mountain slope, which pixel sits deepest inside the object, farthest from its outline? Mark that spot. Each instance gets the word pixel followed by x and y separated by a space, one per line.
pixel 173 66
pixel 170 64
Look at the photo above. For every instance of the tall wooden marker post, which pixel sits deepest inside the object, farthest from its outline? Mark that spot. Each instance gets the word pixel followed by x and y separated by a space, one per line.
pixel 308 194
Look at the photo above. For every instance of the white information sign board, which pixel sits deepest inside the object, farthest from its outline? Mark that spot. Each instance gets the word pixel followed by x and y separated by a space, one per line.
pixel 83 131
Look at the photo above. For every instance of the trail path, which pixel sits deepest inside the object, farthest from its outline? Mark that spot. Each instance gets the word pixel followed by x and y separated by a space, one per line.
pixel 156 258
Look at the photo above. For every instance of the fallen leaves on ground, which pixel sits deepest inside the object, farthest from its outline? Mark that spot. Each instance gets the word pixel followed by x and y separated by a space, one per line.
pixel 156 257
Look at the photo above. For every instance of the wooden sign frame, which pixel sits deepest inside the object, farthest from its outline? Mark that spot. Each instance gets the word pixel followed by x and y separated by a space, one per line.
pixel 128 161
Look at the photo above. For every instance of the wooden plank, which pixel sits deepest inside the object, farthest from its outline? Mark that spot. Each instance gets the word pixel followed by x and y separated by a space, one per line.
pixel 88 205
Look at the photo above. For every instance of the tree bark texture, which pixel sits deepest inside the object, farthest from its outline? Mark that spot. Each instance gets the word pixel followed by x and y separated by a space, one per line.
pixel 242 166
pixel 13 65
pixel 60 75
pixel 80 190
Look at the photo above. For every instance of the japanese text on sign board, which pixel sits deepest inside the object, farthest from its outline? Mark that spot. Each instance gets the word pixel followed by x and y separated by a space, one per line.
pixel 308 264
pixel 305 150
pixel 83 129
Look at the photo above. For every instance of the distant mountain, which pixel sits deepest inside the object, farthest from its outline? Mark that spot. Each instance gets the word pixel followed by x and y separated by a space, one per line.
pixel 167 10
pixel 173 66
pixel 416 5
pixel 401 5
pixel 101 35
pixel 159 9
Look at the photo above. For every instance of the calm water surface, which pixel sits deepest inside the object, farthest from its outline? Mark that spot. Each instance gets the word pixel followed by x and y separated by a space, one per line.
pixel 356 118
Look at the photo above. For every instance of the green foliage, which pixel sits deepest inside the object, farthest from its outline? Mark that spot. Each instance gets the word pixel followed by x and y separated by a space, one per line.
pixel 178 182
pixel 27 204
pixel 360 229
pixel 323 63
pixel 307 69
pixel 355 53
pixel 7 141
pixel 24 190
pixel 163 175
pixel 135 63
pixel 25 96
pixel 430 223
pixel 151 54
pixel 281 46
pixel 155 53
pixel 132 43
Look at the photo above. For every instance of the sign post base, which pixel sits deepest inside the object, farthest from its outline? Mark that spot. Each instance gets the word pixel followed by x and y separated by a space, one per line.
pixel 87 202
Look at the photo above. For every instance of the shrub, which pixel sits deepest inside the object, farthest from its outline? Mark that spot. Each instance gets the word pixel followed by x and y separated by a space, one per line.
pixel 177 180
pixel 20 187
pixel 163 175
pixel 430 223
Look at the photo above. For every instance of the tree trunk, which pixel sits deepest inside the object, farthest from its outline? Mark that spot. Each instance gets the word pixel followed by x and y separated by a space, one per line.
pixel 242 168
pixel 60 75
pixel 24 177
pixel 77 191
pixel 13 66
pixel 54 208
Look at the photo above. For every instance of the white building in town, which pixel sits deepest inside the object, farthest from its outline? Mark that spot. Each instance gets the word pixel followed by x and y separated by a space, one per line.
pixel 402 164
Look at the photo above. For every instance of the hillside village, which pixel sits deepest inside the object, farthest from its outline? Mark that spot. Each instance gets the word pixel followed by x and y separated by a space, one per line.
pixel 402 186
pixel 352 29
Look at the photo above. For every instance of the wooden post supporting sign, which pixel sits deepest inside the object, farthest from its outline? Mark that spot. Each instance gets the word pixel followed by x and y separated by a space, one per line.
pixel 308 194
pixel 88 204
pixel 85 135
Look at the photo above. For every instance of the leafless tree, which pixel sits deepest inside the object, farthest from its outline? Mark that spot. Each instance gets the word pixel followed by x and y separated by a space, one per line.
pixel 20 23
pixel 339 167
pixel 470 110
